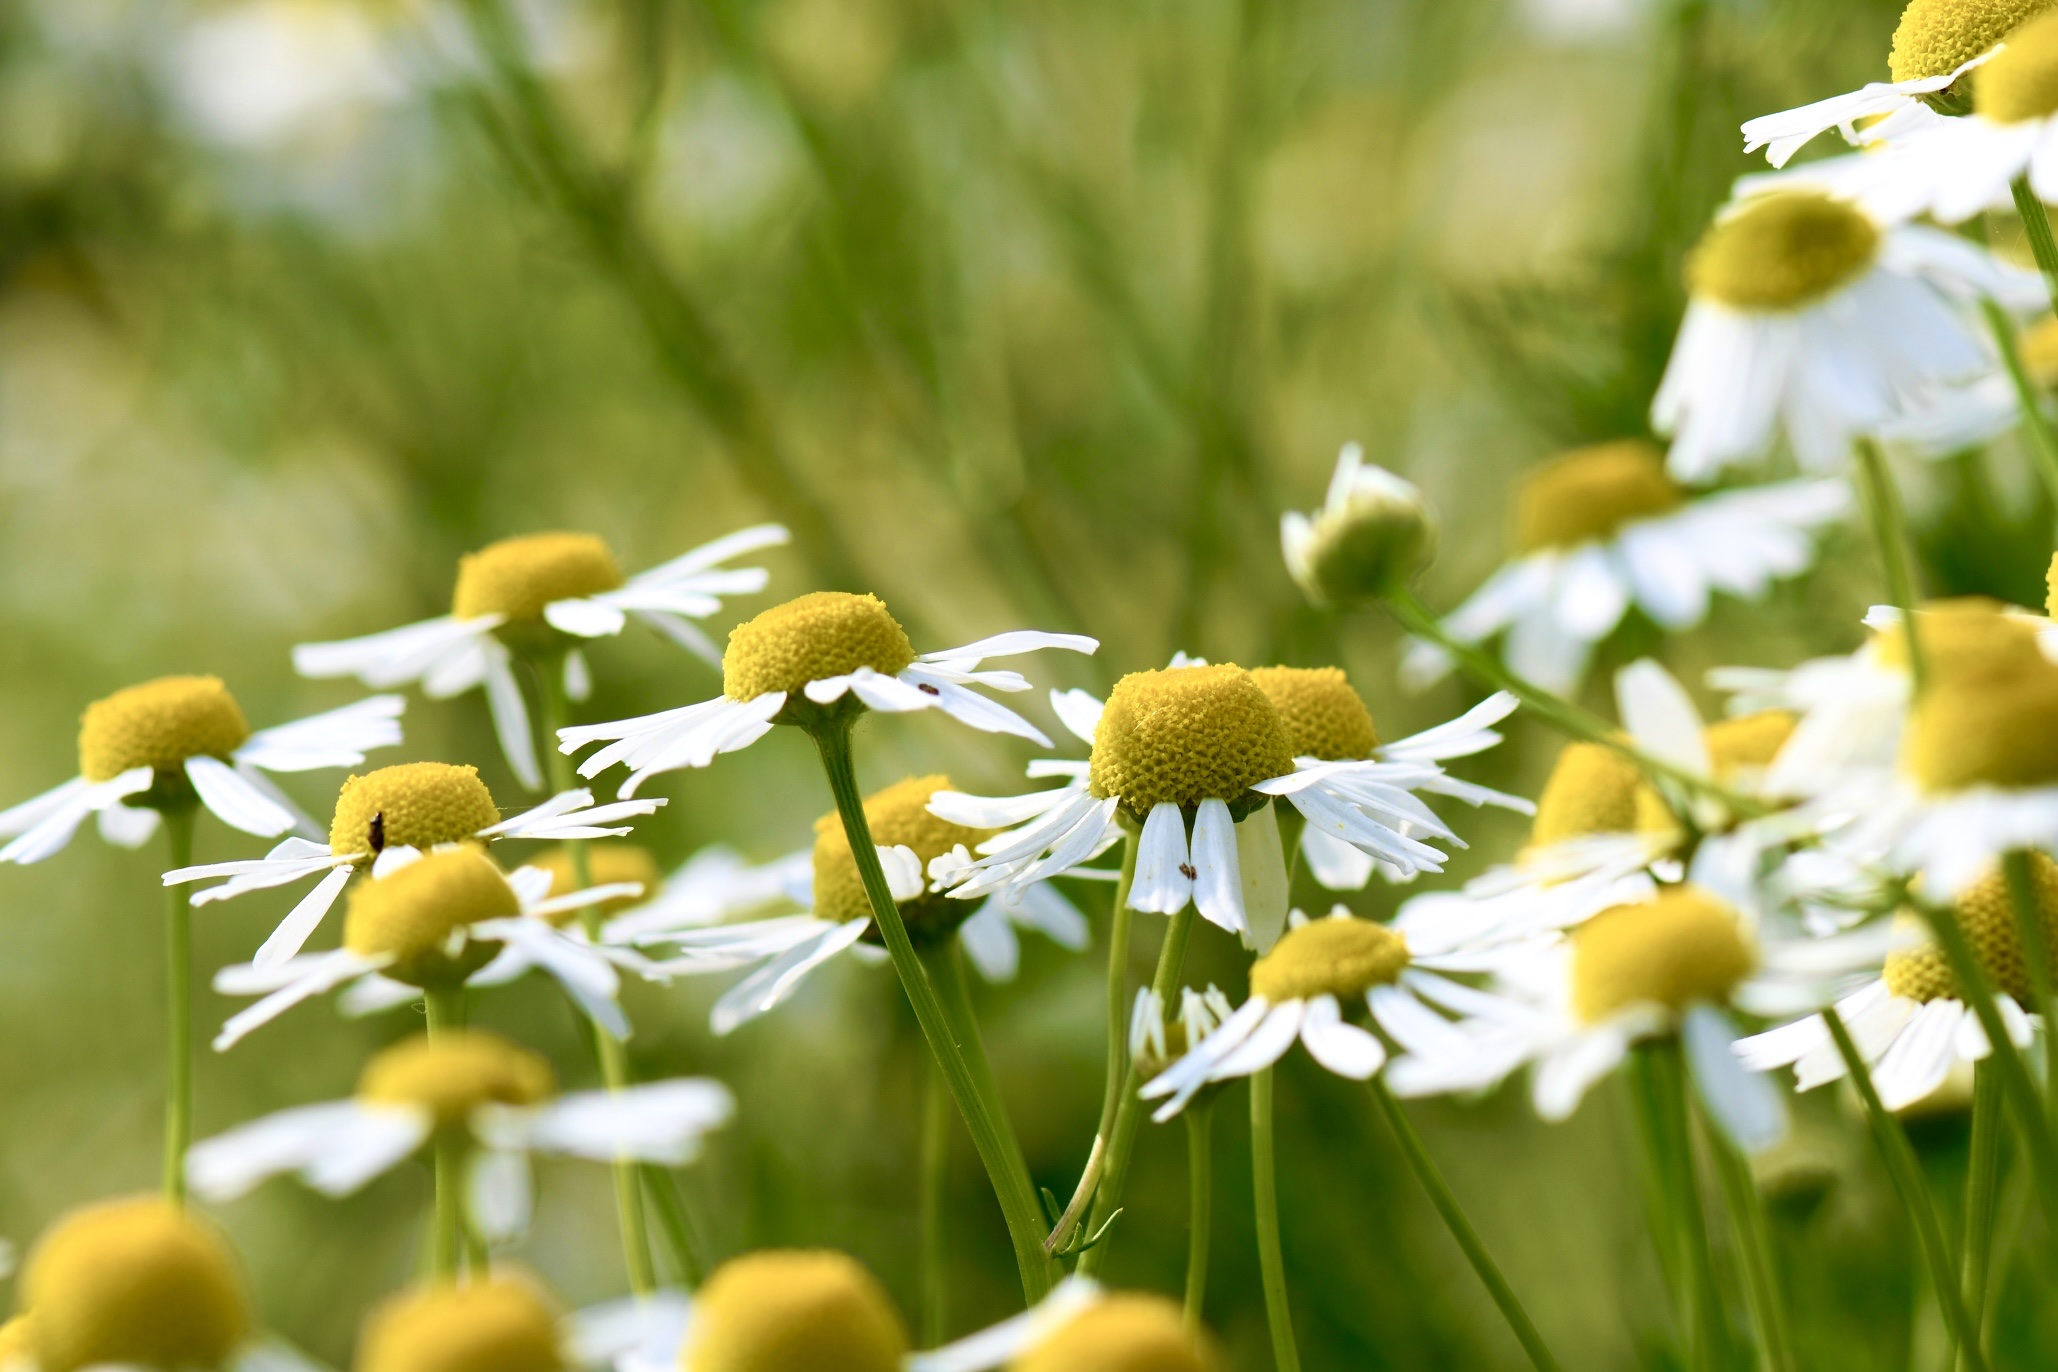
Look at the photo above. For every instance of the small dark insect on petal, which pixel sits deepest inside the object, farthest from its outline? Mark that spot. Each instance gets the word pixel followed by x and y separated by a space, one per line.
pixel 927 689
pixel 378 828
pixel 1186 870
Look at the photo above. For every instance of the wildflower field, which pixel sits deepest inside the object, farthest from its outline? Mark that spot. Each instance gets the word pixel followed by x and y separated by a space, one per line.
pixel 901 686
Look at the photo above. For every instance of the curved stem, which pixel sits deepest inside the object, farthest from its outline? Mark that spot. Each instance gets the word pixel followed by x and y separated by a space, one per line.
pixel 1889 529
pixel 1906 1173
pixel 662 1189
pixel 1754 1249
pixel 1664 1077
pixel 178 985
pixel 2036 227
pixel 2043 441
pixel 445 1005
pixel 1982 1173
pixel 945 964
pixel 1454 1218
pixel 1265 1197
pixel 1200 1205
pixel 935 1185
pixel 1010 1180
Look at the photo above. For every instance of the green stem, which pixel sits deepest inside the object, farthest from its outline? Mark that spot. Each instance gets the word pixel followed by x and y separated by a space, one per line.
pixel 945 964
pixel 1906 1173
pixel 1117 1055
pixel 662 1188
pixel 2043 441
pixel 1454 1218
pixel 1983 1170
pixel 1271 1257
pixel 2036 227
pixel 1200 1204
pixel 935 1188
pixel 178 985
pixel 1129 1115
pixel 445 1005
pixel 1701 1302
pixel 1010 1180
pixel 1754 1248
pixel 2021 877
pixel 1889 529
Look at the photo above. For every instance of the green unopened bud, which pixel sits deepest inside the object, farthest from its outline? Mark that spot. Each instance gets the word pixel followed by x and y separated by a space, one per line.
pixel 1373 534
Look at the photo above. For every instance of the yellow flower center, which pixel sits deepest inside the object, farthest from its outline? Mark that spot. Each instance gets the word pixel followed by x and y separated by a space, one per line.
pixel 1996 725
pixel 1680 947
pixel 1184 735
pixel 2021 83
pixel 1123 1333
pixel 1587 494
pixel 136 1282
pixel 1963 634
pixel 160 724
pixel 495 1325
pixel 1592 790
pixel 1986 912
pixel 413 805
pixel 17 1343
pixel 517 577
pixel 1325 718
pixel 1782 251
pixel 824 634
pixel 454 1074
pixel 607 864
pixel 412 915
pixel 898 816
pixel 1936 37
pixel 794 1311
pixel 1330 957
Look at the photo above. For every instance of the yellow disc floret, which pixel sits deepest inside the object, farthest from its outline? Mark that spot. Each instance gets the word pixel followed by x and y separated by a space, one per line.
pixel 2021 83
pixel 794 1311
pixel 137 1282
pixel 1678 948
pixel 1986 912
pixel 517 577
pixel 1184 735
pixel 1992 727
pixel 1936 37
pixel 1963 634
pixel 822 635
pixel 1782 251
pixel 415 805
pixel 160 724
pixel 454 1074
pixel 1330 957
pixel 1592 790
pixel 417 915
pixel 1589 493
pixel 497 1325
pixel 613 863
pixel 1122 1333
pixel 1325 718
pixel 898 816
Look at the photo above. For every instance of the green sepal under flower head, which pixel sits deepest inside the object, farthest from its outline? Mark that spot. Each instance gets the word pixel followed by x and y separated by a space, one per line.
pixel 1122 1333
pixel 1344 958
pixel 137 1282
pixel 898 817
pixel 1679 948
pixel 794 1311
pixel 499 1324
pixel 1373 535
pixel 2021 83
pixel 1985 912
pixel 1588 493
pixel 1936 37
pixel 454 1073
pixel 1185 735
pixel 418 915
pixel 160 724
pixel 1782 251
pixel 413 805
pixel 517 577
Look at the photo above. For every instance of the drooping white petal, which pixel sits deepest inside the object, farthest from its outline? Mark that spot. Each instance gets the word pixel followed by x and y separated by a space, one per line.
pixel 1164 878
pixel 126 826
pixel 395 657
pixel 55 821
pixel 1079 711
pixel 1261 874
pixel 1218 879
pixel 310 976
pixel 1564 1076
pixel 990 941
pixel 1004 1343
pixel 584 618
pixel 234 800
pixel 1743 1104
pixel 1661 716
pixel 499 1194
pixel 773 983
pixel 511 716
pixel 1343 1048
pixel 303 919
pixel 231 1164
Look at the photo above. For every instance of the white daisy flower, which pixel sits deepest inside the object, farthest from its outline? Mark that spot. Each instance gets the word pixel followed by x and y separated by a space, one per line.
pixel 415 805
pixel 436 920
pixel 1810 317
pixel 545 593
pixel 1155 1042
pixel 1300 989
pixel 1373 531
pixel 502 1100
pixel 828 650
pixel 179 739
pixel 787 948
pixel 1605 528
pixel 1888 107
pixel 1081 1327
pixel 1207 746
pixel 1667 964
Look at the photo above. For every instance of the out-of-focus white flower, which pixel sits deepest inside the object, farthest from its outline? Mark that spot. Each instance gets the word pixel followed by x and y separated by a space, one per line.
pixel 1373 532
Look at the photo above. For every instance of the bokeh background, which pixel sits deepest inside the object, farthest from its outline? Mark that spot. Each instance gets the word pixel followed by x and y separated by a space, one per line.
pixel 1027 313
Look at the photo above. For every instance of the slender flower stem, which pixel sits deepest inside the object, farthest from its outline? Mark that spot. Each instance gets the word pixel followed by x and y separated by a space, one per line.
pixel 1556 711
pixel 663 1190
pixel 1982 1173
pixel 612 1056
pixel 945 964
pixel 1701 1301
pixel 1118 1049
pixel 445 1005
pixel 1271 1257
pixel 178 985
pixel 1906 1172
pixel 2036 227
pixel 1129 1115
pixel 2036 948
pixel 1454 1218
pixel 1010 1180
pixel 2043 440
pixel 1889 529
pixel 1762 1286
pixel 935 1186
pixel 1200 1206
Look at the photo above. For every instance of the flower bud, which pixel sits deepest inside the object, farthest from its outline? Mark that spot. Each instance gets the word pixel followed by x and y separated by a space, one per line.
pixel 1372 535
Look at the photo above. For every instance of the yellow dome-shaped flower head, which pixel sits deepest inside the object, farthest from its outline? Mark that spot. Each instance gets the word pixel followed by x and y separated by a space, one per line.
pixel 1592 789
pixel 1681 947
pixel 1996 726
pixel 1936 37
pixel 1783 251
pixel 517 577
pixel 818 636
pixel 1184 735
pixel 414 916
pixel 454 1073
pixel 1986 912
pixel 794 1311
pixel 1330 957
pixel 502 1324
pixel 1325 717
pixel 1123 1333
pixel 1587 494
pixel 414 805
pixel 159 725
pixel 899 817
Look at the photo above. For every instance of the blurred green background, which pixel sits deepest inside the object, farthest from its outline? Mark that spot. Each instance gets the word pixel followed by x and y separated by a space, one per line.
pixel 1033 313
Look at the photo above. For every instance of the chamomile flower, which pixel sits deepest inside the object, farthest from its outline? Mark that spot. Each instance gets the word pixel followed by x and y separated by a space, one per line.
pixel 908 836
pixel 1156 1042
pixel 1080 1327
pixel 436 920
pixel 1601 529
pixel 1373 532
pixel 501 1100
pixel 1205 746
pixel 542 594
pixel 1300 989
pixel 1667 964
pixel 824 651
pixel 496 1320
pixel 178 739
pixel 415 805
pixel 1812 317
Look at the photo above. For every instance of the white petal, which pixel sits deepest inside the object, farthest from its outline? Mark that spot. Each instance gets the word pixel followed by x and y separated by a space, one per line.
pixel 1343 1048
pixel 1747 1106
pixel 499 1194
pixel 585 618
pixel 1163 883
pixel 1661 716
pixel 1079 711
pixel 1217 882
pixel 1563 1078
pixel 511 717
pixel 229 1165
pixel 304 918
pixel 661 1122
pixel 1267 1043
pixel 990 941
pixel 234 800
pixel 337 738
pixel 1261 871
pixel 1010 644
pixel 126 826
